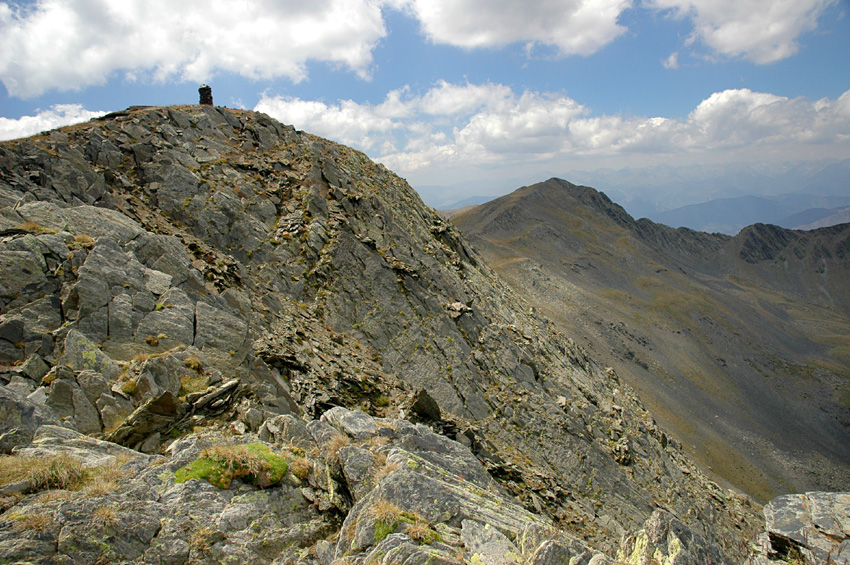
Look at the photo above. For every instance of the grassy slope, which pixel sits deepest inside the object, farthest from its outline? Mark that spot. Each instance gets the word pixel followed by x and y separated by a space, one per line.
pixel 751 377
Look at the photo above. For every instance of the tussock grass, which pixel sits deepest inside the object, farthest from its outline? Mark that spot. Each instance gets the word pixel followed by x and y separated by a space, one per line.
pixel 334 445
pixel 105 517
pixel 36 522
pixel 60 472
pixel 220 464
pixel 301 467
pixel 42 473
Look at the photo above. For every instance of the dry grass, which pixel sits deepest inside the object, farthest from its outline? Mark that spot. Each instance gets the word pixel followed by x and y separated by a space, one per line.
pixel 334 445
pixel 104 480
pixel 42 473
pixel 385 511
pixel 194 364
pixel 221 464
pixel 105 517
pixel 84 241
pixel 301 467
pixel 201 539
pixel 235 457
pixel 421 532
pixel 381 472
pixel 36 522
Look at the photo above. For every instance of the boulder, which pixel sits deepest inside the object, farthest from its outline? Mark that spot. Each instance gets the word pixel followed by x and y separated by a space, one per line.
pixel 82 354
pixel 156 415
pixel 664 538
pixel 19 419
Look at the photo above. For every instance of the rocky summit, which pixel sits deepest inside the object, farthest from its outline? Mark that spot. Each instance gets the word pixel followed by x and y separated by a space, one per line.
pixel 225 340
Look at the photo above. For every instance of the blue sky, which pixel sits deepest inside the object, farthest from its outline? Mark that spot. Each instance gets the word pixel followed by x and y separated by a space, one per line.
pixel 447 92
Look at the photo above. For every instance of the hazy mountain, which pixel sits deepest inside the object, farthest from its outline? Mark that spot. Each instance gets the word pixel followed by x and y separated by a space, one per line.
pixel 730 215
pixel 646 191
pixel 826 218
pixel 737 344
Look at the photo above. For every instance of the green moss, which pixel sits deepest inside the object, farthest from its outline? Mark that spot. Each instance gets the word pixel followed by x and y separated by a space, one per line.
pixel 190 384
pixel 220 465
pixel 384 528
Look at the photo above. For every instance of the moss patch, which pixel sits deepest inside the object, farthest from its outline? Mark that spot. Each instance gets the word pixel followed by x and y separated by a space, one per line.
pixel 219 465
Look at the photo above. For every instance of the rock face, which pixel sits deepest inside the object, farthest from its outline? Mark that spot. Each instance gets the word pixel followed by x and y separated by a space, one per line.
pixel 172 271
pixel 813 527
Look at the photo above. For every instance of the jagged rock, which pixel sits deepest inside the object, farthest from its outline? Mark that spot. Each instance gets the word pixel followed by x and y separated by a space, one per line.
pixel 310 279
pixel 156 415
pixel 424 406
pixel 358 466
pixel 814 526
pixel 51 439
pixel 82 354
pixel 70 403
pixel 34 368
pixel 287 429
pixel 485 544
pixel 354 423
pixel 19 419
pixel 664 539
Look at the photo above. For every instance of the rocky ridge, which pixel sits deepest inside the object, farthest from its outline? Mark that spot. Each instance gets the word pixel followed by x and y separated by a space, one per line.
pixel 186 277
pixel 734 342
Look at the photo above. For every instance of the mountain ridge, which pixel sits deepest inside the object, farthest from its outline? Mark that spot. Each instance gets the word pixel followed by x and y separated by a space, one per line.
pixel 708 312
pixel 186 278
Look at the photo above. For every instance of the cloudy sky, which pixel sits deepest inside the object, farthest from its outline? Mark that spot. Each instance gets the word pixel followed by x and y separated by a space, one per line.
pixel 446 92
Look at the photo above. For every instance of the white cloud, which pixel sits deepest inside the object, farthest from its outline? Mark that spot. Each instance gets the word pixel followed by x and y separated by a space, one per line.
pixel 422 136
pixel 58 116
pixel 671 62
pixel 573 26
pixel 71 44
pixel 762 31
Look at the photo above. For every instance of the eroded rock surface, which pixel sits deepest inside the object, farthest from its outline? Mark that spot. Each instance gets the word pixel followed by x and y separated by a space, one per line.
pixel 173 271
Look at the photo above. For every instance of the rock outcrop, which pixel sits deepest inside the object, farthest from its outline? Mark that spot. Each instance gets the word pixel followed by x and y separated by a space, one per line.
pixel 178 280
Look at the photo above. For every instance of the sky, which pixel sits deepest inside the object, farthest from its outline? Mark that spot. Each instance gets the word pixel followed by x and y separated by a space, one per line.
pixel 477 93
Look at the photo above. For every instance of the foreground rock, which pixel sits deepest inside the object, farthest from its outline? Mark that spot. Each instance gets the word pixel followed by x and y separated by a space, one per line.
pixel 812 527
pixel 421 497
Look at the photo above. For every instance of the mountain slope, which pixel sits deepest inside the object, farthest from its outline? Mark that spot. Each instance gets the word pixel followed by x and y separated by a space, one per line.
pixel 738 344
pixel 170 270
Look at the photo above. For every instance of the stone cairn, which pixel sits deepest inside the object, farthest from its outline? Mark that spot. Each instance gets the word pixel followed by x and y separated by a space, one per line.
pixel 206 95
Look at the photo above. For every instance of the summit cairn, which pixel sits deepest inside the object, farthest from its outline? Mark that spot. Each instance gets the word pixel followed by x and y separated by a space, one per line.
pixel 206 95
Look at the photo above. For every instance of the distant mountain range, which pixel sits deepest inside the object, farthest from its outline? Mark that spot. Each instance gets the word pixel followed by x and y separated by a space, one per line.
pixel 712 198
pixel 738 344
pixel 730 215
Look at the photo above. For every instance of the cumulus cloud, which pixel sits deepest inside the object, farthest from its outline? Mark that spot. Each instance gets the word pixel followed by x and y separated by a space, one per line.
pixel 71 44
pixel 573 26
pixel 476 125
pixel 57 116
pixel 762 31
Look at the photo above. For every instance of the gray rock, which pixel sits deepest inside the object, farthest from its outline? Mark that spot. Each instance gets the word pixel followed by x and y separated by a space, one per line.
pixel 35 367
pixel 664 537
pixel 358 466
pixel 354 423
pixel 82 354
pixel 160 374
pixel 93 384
pixel 425 406
pixel 486 544
pixel 113 410
pixel 220 334
pixel 19 419
pixel 811 524
pixel 156 415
